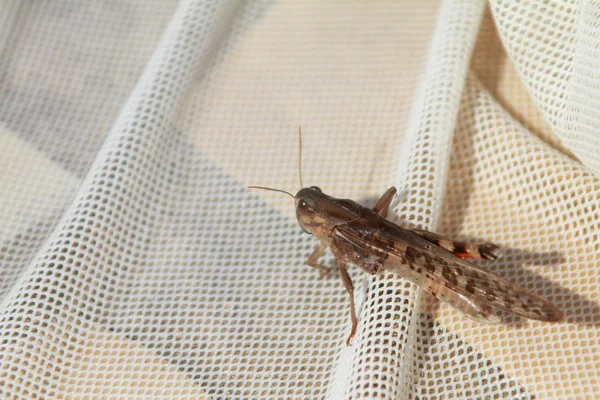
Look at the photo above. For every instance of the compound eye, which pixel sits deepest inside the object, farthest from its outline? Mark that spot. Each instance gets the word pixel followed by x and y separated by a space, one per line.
pixel 302 204
pixel 316 189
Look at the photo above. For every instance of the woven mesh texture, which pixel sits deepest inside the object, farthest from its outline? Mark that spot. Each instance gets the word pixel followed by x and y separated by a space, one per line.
pixel 136 263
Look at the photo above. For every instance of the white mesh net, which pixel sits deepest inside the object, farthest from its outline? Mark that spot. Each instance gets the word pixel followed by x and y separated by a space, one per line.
pixel 135 263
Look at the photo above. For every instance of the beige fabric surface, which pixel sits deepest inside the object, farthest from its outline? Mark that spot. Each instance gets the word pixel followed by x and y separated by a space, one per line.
pixel 135 263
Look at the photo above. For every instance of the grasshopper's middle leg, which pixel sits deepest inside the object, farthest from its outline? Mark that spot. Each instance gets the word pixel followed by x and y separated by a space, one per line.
pixel 342 264
pixel 343 267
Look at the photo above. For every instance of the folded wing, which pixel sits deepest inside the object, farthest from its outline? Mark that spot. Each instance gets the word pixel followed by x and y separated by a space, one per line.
pixel 473 290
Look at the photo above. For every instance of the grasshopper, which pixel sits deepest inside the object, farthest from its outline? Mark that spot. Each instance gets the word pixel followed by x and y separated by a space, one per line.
pixel 364 237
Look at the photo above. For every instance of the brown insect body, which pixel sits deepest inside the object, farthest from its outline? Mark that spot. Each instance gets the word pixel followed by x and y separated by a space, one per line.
pixel 364 237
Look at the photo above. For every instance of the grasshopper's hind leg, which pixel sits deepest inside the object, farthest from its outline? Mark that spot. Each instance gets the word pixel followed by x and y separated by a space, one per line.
pixel 488 251
pixel 383 204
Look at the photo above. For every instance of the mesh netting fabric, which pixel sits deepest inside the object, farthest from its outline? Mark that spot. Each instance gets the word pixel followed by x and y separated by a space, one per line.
pixel 135 263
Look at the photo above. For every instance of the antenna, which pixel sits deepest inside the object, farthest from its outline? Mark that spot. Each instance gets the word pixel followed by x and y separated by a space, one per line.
pixel 271 189
pixel 300 155
pixel 299 169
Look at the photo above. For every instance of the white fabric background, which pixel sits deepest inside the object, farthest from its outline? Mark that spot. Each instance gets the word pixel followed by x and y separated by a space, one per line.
pixel 135 263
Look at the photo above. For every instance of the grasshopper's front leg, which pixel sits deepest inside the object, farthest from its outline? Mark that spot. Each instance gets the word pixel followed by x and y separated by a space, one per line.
pixel 314 258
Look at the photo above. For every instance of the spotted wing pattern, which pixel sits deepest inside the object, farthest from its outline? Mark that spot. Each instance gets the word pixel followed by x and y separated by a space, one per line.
pixel 471 289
